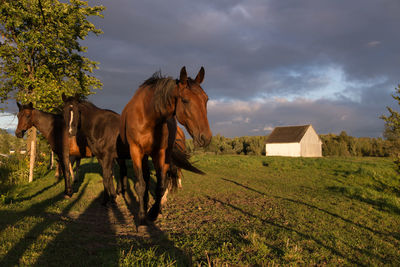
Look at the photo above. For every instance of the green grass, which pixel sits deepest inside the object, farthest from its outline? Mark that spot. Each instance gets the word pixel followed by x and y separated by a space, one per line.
pixel 247 210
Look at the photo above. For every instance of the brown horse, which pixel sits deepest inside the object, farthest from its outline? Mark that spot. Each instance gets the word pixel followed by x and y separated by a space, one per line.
pixel 53 129
pixel 144 127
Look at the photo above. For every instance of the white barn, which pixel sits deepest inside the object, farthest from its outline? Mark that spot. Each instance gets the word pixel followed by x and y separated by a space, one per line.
pixel 294 141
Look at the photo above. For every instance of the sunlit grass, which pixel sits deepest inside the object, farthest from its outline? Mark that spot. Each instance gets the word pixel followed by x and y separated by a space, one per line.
pixel 247 210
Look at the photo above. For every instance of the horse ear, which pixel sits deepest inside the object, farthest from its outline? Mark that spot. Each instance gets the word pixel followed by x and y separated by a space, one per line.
pixel 77 96
pixel 19 106
pixel 183 76
pixel 200 76
pixel 64 97
pixel 30 105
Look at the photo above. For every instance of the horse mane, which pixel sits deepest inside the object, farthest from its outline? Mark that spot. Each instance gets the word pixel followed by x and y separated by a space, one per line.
pixel 163 88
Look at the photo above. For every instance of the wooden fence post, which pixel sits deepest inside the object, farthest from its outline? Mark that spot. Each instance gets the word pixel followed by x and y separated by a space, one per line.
pixel 32 134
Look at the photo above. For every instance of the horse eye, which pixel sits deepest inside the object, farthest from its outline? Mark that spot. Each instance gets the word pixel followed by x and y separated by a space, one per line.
pixel 184 100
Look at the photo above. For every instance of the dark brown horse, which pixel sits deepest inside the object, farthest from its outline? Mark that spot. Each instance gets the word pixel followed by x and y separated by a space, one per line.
pixel 53 129
pixel 101 129
pixel 144 127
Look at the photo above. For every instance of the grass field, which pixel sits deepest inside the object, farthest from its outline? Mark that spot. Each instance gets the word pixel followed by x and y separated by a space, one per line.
pixel 246 211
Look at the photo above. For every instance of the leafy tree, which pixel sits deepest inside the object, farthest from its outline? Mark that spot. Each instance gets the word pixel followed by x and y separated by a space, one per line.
pixel 392 122
pixel 392 126
pixel 40 53
pixel 41 56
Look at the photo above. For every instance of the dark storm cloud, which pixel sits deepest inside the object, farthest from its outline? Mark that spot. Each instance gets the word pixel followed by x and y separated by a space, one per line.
pixel 341 57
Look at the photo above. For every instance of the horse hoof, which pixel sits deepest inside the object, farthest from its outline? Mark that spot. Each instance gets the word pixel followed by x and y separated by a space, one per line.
pixel 152 215
pixel 69 193
pixel 67 196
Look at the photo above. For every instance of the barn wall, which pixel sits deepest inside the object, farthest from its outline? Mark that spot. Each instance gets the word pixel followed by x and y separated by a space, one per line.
pixel 311 145
pixel 287 149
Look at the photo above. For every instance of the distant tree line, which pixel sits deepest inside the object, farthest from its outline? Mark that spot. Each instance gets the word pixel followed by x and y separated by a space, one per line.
pixel 245 145
pixel 341 145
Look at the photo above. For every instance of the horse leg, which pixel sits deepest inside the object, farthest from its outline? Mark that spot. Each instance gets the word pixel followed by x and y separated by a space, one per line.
pixel 140 186
pixel 71 170
pixel 161 171
pixel 164 198
pixel 77 164
pixel 180 175
pixel 146 177
pixel 58 170
pixel 170 173
pixel 109 190
pixel 64 163
pixel 122 183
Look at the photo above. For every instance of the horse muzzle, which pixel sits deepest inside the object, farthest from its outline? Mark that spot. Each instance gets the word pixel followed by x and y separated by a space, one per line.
pixel 20 133
pixel 203 140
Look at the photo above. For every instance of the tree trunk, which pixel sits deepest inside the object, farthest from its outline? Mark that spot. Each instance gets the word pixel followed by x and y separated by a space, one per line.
pixel 32 134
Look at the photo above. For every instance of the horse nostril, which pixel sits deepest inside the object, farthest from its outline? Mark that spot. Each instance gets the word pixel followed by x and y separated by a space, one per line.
pixel 18 134
pixel 204 140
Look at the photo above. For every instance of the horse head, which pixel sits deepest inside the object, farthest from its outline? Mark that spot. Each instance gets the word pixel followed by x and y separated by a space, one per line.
pixel 25 119
pixel 71 113
pixel 191 107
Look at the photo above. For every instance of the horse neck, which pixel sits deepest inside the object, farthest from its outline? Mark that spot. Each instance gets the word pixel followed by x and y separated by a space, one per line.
pixel 166 114
pixel 44 122
pixel 160 112
pixel 87 113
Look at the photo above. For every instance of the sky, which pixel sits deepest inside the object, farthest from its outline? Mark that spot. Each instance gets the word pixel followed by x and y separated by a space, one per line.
pixel 268 63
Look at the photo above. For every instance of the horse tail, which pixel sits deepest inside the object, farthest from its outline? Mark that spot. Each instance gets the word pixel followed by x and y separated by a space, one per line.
pixel 181 160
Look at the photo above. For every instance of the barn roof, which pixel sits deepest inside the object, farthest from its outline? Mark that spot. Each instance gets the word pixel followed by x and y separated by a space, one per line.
pixel 287 134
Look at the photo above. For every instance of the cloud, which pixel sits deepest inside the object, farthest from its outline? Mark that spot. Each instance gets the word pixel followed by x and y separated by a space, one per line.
pixel 269 63
pixel 373 43
pixel 327 116
pixel 8 121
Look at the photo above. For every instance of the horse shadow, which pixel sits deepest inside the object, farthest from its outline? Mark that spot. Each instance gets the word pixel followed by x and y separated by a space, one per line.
pixel 153 235
pixel 95 245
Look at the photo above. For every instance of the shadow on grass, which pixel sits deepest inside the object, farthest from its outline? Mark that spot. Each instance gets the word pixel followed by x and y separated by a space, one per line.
pixel 296 201
pixel 89 167
pixel 13 256
pixel 283 227
pixel 41 191
pixel 377 185
pixel 381 204
pixel 381 187
pixel 394 235
pixel 154 236
pixel 87 240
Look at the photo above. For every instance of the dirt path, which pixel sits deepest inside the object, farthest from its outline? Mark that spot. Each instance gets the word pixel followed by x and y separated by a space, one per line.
pixel 114 219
